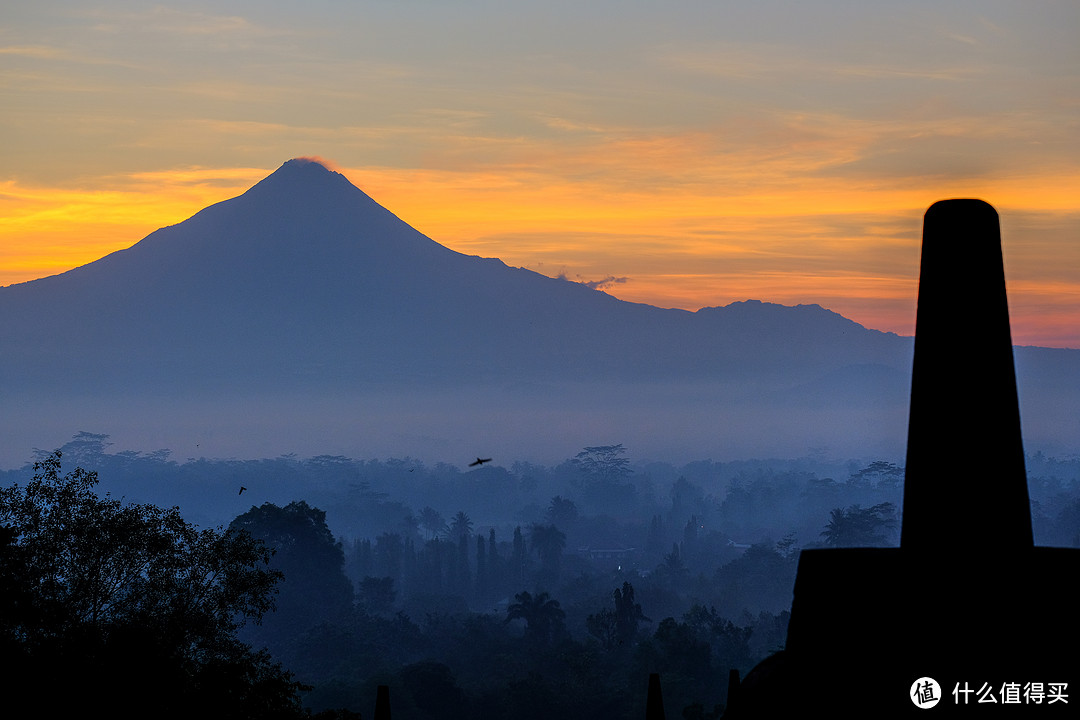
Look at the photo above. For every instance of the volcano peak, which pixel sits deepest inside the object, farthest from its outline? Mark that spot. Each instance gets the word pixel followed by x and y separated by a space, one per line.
pixel 303 172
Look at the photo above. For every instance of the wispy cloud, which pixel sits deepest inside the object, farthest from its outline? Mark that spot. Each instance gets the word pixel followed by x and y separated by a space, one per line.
pixel 595 284
pixel 709 155
pixel 766 64
pixel 164 20
pixel 33 51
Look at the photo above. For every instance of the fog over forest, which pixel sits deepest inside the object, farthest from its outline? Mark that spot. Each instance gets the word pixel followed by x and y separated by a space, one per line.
pixel 302 316
pixel 606 490
pixel 434 579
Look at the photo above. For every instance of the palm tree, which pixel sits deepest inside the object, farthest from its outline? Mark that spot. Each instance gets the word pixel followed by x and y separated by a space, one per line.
pixel 562 511
pixel 432 520
pixel 542 615
pixel 459 526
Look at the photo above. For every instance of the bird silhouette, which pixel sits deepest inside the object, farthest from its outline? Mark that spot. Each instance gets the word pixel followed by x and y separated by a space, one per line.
pixel 242 489
pixel 479 461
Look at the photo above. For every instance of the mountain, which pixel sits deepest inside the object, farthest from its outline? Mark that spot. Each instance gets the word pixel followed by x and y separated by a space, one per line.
pixel 305 278
pixel 305 301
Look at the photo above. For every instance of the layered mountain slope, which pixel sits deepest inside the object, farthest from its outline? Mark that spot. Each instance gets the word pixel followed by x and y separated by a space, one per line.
pixel 303 307
pixel 305 276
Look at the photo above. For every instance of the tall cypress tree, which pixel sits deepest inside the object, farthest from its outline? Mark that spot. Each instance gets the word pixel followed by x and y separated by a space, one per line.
pixel 481 569
pixel 518 571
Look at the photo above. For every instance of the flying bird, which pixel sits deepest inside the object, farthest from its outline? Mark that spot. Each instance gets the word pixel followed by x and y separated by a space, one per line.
pixel 242 489
pixel 479 461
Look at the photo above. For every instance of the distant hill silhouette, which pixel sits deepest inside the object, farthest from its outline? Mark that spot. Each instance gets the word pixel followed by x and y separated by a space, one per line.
pixel 305 287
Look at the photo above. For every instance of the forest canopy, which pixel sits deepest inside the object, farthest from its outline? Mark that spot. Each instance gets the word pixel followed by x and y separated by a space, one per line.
pixel 509 590
pixel 130 609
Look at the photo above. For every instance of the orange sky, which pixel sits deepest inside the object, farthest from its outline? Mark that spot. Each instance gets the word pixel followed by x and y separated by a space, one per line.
pixel 695 158
pixel 852 249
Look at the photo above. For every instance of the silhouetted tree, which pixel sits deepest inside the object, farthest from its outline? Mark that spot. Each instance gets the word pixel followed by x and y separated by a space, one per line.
pixel 389 552
pixel 689 548
pixel 84 448
pixel 673 570
pixel 548 542
pixel 681 651
pixel 654 542
pixel 604 626
pixel 787 547
pixel 562 512
pixel 627 614
pixel 460 526
pixel 430 568
pixel 432 521
pixel 687 499
pixel 495 566
pixel 604 463
pixel 462 575
pixel 542 615
pixel 603 476
pixel 879 472
pixel 359 559
pixel 517 572
pixel 312 560
pixel 858 527
pixel 109 592
pixel 410 526
pixel 482 579
pixel 618 627
pixel 760 578
pixel 730 643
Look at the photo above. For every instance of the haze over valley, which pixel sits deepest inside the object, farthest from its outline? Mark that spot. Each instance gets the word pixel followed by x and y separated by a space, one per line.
pixel 303 317
pixel 571 340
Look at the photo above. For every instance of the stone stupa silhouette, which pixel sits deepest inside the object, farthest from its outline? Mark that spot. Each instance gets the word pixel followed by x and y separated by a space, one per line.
pixel 967 600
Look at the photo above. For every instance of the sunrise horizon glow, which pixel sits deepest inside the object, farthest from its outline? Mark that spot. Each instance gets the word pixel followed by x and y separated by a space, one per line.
pixel 685 159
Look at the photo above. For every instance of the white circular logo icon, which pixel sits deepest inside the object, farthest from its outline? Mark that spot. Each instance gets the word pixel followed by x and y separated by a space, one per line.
pixel 925 693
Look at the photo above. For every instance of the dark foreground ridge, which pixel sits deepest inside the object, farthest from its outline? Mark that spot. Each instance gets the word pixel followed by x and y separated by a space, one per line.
pixel 966 611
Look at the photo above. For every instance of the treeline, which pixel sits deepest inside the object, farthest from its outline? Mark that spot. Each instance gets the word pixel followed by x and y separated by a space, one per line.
pixel 747 501
pixel 532 591
pixel 126 610
pixel 546 641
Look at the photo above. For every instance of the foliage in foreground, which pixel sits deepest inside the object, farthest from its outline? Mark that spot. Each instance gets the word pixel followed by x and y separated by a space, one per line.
pixel 128 609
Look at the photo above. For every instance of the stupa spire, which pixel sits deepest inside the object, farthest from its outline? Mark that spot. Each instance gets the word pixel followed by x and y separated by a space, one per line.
pixel 965 483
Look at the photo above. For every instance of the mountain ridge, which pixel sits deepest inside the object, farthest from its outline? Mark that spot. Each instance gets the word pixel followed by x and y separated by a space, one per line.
pixel 305 286
pixel 306 255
